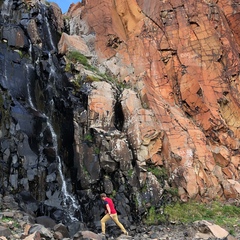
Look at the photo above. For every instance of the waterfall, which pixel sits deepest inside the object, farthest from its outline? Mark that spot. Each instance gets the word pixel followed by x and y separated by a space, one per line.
pixel 69 202
pixel 6 9
pixel 48 27
pixel 28 68
pixel 50 34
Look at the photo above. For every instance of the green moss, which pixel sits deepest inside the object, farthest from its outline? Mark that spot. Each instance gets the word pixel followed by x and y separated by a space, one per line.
pixel 107 77
pixel 173 191
pixel 154 217
pixel 88 138
pixel 5 111
pixel 97 150
pixel 76 56
pixel 76 84
pixel 130 172
pixel 20 53
pixel 8 219
pixel 65 17
pixel 1 100
pixel 92 79
pixel 68 67
pixel 160 172
pixel 113 194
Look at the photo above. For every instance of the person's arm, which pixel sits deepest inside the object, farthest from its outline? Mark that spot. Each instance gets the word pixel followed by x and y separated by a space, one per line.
pixel 108 209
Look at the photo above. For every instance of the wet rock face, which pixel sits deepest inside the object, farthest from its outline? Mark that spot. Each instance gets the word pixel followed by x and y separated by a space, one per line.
pixel 184 60
pixel 33 109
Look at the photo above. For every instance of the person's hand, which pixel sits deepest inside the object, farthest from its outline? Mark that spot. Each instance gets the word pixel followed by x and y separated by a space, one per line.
pixel 110 215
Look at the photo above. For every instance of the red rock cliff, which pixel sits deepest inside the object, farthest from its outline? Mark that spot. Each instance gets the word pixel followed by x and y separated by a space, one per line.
pixel 182 59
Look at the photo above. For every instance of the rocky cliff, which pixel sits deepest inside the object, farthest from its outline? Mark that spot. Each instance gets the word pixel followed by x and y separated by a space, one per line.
pixel 179 63
pixel 134 98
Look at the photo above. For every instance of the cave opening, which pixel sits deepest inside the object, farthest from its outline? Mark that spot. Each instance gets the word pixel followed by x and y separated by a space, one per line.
pixel 119 116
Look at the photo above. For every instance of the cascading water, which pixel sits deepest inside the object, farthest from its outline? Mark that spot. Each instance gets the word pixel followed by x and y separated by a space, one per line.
pixel 29 67
pixel 48 29
pixel 31 75
pixel 69 202
pixel 6 9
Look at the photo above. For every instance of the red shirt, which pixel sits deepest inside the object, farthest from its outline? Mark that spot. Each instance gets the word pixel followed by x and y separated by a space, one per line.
pixel 110 204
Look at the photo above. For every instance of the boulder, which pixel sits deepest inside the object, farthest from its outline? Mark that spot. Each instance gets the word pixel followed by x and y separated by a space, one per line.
pixel 4 231
pixel 209 229
pixel 69 43
pixel 47 222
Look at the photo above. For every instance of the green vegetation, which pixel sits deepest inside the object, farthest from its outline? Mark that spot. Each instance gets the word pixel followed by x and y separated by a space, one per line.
pixel 159 172
pixel 66 17
pixel 88 138
pixel 173 191
pixel 90 78
pixel 113 194
pixel 19 52
pixel 68 67
pixel 77 82
pixel 5 108
pixel 162 175
pixel 119 84
pixel 130 172
pixel 97 150
pixel 154 217
pixel 8 220
pixel 224 215
pixel 75 56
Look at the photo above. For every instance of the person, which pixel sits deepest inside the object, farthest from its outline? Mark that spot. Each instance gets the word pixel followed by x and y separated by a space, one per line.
pixel 110 213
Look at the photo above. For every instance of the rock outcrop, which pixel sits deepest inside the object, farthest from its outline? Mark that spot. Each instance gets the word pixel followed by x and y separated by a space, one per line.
pixel 182 60
pixel 16 224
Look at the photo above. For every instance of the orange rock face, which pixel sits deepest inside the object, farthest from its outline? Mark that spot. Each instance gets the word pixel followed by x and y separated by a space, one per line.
pixel 182 57
pixel 72 43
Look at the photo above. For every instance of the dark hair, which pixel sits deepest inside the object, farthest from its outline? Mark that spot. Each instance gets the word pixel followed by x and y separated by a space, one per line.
pixel 103 195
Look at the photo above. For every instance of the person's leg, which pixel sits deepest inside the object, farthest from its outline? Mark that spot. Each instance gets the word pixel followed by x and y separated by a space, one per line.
pixel 115 219
pixel 103 222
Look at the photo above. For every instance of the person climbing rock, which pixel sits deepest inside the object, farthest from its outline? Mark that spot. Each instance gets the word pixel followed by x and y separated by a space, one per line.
pixel 110 213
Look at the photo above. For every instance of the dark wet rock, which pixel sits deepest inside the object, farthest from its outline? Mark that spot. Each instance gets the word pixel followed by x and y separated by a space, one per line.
pixel 46 221
pixel 4 231
pixel 15 37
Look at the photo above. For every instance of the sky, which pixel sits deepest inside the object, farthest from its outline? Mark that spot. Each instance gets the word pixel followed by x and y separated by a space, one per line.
pixel 64 4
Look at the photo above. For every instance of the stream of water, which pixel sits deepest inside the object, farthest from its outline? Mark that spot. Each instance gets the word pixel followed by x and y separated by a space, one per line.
pixel 69 203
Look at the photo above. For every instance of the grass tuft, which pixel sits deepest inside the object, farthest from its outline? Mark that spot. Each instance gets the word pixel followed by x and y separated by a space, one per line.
pixel 222 214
